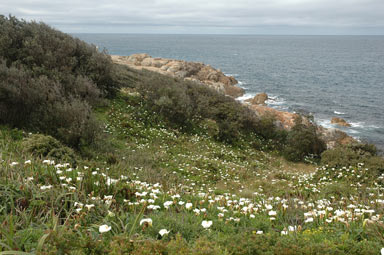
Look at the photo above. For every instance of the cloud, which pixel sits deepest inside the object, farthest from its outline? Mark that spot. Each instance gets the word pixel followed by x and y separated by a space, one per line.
pixel 201 15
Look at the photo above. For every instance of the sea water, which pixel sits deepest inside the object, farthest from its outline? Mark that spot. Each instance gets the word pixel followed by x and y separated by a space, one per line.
pixel 326 76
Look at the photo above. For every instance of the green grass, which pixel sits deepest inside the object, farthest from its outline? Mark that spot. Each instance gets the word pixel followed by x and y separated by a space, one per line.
pixel 258 203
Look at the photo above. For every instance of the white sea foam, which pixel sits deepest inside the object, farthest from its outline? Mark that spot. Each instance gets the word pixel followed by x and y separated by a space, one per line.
pixel 325 123
pixel 339 113
pixel 231 74
pixel 275 100
pixel 245 97
pixel 357 124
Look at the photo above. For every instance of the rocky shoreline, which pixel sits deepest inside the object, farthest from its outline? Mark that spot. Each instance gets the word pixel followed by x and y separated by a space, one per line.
pixel 216 79
pixel 193 71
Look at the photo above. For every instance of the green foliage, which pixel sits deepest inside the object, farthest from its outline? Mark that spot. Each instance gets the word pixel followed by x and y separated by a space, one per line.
pixel 190 105
pixel 49 81
pixel 353 154
pixel 302 141
pixel 47 146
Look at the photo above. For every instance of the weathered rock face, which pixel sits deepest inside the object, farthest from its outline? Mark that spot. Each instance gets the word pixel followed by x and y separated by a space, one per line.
pixel 194 71
pixel 284 120
pixel 259 99
pixel 333 137
pixel 340 122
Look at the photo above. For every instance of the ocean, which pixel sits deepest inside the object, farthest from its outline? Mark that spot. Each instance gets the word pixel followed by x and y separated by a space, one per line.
pixel 326 76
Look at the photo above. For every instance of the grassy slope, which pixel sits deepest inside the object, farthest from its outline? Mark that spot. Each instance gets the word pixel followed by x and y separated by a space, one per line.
pixel 143 162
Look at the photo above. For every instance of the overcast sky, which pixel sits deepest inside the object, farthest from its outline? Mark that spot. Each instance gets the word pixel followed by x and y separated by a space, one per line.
pixel 204 16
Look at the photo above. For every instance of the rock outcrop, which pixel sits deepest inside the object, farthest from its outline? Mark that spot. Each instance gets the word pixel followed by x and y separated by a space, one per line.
pixel 214 78
pixel 286 120
pixel 340 122
pixel 193 71
pixel 259 99
pixel 333 137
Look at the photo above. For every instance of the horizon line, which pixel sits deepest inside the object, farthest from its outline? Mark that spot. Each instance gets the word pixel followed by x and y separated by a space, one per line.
pixel 128 33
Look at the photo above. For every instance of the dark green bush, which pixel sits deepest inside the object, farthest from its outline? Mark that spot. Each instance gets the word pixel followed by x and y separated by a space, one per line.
pixel 187 104
pixel 49 81
pixel 48 52
pixel 39 104
pixel 47 146
pixel 353 154
pixel 302 141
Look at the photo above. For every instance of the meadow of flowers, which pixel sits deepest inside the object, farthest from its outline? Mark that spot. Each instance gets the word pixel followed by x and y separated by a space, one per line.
pixel 167 192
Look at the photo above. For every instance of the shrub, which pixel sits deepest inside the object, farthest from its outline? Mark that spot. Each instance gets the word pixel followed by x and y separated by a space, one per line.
pixel 190 105
pixel 49 81
pixel 48 52
pixel 353 154
pixel 47 146
pixel 302 141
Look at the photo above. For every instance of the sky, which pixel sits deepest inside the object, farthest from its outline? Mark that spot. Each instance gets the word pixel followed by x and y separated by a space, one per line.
pixel 299 17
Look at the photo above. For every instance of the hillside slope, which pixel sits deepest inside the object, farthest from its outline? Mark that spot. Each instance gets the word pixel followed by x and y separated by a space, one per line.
pixel 172 168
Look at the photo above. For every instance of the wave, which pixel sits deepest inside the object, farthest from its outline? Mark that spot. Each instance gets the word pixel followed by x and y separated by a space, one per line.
pixel 231 74
pixel 275 100
pixel 245 97
pixel 241 84
pixel 357 124
pixel 338 113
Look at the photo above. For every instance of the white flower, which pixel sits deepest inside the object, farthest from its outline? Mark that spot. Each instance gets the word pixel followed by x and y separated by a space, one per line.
pixel 27 162
pixel 14 164
pixel 382 251
pixel 167 204
pixel 259 232
pixel 46 187
pixel 48 162
pixel 146 221
pixel 163 232
pixel 153 207
pixel 79 204
pixel 272 213
pixel 309 220
pixel 104 228
pixel 206 224
pixel 188 206
pixel 284 232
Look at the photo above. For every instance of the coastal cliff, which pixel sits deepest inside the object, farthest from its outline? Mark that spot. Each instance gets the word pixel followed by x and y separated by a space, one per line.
pixel 216 79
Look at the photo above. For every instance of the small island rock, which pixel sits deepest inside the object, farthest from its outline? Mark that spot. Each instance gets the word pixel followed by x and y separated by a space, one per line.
pixel 259 99
pixel 340 122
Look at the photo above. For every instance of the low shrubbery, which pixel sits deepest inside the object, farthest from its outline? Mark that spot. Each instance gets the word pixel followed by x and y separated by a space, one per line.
pixel 187 104
pixel 302 141
pixel 49 81
pixel 47 147
pixel 353 154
